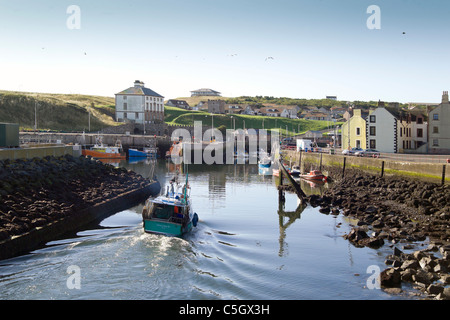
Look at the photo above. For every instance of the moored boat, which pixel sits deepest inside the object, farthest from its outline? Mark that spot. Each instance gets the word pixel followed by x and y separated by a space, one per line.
pixel 314 175
pixel 136 153
pixel 101 151
pixel 170 214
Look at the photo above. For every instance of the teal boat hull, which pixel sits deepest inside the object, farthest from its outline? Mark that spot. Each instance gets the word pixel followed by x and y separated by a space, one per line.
pixel 166 228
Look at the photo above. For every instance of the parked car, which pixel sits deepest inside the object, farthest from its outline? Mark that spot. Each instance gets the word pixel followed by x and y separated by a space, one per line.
pixel 368 153
pixel 352 151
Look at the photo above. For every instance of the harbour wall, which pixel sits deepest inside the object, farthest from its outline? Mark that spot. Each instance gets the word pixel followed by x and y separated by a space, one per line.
pixel 430 172
pixel 38 236
pixel 39 152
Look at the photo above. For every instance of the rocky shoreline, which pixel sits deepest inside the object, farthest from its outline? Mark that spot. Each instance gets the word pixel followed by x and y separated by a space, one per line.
pixel 39 191
pixel 396 212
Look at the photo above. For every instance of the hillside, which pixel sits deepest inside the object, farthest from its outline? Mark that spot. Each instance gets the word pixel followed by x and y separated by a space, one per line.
pixel 64 112
pixel 177 116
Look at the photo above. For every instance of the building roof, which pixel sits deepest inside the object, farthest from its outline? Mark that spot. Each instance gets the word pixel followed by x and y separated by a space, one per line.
pixel 205 90
pixel 139 89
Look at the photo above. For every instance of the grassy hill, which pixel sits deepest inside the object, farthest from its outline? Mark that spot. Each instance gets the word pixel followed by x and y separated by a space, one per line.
pixel 64 112
pixel 178 116
pixel 70 112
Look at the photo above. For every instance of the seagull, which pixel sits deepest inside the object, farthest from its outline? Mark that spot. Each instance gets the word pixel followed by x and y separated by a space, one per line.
pixel 404 32
pixel 268 58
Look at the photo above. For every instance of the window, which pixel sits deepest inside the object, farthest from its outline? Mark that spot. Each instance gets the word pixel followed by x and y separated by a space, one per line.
pixel 125 115
pixel 124 97
pixel 419 120
pixel 136 115
pixel 435 116
pixel 372 131
pixel 372 119
pixel 435 142
pixel 419 133
pixel 125 106
pixel 373 144
pixel 358 143
pixel 435 129
pixel 358 131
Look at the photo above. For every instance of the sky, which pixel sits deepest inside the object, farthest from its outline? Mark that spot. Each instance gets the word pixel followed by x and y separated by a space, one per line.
pixel 285 48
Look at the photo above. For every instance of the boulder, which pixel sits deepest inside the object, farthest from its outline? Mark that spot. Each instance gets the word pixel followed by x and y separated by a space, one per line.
pixel 390 278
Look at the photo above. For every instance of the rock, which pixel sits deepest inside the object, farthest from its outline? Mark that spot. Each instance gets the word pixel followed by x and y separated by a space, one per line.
pixel 390 278
pixel 356 235
pixel 435 289
pixel 423 276
pixel 410 264
pixel 407 274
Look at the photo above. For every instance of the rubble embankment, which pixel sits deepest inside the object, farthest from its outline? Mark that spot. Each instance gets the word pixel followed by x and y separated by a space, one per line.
pixel 38 192
pixel 398 212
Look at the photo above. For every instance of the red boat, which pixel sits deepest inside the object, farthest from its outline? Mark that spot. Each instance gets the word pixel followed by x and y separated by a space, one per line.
pixel 314 175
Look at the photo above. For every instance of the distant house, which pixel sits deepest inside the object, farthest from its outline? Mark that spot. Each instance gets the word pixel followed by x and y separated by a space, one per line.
pixel 233 109
pixel 316 116
pixel 250 111
pixel 179 104
pixel 412 131
pixel 216 106
pixel 439 127
pixel 331 97
pixel 139 104
pixel 205 92
pixel 269 111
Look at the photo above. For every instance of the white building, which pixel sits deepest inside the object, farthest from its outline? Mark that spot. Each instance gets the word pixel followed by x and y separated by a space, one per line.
pixel 139 103
pixel 382 131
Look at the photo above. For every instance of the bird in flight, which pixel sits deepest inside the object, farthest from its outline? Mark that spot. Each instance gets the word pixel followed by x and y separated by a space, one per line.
pixel 269 58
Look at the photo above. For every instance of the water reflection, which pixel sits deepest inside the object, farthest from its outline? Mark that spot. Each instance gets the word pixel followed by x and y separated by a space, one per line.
pixel 287 218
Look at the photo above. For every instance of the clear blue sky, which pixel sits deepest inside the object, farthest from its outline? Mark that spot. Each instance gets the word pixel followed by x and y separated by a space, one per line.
pixel 319 48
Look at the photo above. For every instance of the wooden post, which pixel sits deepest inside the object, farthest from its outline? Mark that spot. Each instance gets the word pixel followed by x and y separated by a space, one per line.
pixel 382 168
pixel 443 174
pixel 343 167
pixel 320 166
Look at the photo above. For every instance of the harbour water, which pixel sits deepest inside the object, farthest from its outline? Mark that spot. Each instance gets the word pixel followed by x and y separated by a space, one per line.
pixel 244 247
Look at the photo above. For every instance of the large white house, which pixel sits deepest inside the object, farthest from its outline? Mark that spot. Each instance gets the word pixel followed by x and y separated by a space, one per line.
pixel 382 131
pixel 138 104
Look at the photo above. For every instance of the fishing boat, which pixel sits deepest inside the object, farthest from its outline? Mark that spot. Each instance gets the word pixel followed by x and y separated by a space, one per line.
pixel 170 214
pixel 101 151
pixel 314 175
pixel 136 153
pixel 265 161
pixel 295 171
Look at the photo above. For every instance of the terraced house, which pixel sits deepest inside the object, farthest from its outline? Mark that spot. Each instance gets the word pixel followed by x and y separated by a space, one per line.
pixel 439 127
pixel 139 104
pixel 354 131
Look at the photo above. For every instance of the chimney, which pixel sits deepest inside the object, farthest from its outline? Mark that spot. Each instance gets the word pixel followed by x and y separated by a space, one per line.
pixel 138 83
pixel 445 97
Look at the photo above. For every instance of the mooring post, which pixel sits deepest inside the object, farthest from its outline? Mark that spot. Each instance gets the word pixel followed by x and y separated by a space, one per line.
pixel 343 167
pixel 443 174
pixel 382 168
pixel 320 166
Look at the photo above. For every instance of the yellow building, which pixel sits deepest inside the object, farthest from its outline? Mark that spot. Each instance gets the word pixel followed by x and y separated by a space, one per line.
pixel 354 132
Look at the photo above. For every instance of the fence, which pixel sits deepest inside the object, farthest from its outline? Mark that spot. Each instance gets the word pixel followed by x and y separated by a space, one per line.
pixel 428 171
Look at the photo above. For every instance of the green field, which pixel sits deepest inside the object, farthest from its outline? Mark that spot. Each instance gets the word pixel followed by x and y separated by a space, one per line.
pixel 177 116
